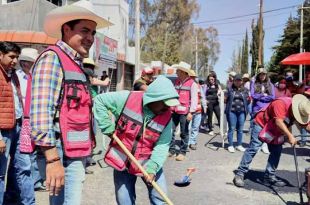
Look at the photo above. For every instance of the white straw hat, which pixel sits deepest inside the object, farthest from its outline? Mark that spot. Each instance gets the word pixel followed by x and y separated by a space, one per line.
pixel 192 73
pixel 301 108
pixel 81 10
pixel 28 54
pixel 185 67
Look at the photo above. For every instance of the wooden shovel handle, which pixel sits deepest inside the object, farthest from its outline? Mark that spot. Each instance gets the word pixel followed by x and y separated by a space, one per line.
pixel 135 161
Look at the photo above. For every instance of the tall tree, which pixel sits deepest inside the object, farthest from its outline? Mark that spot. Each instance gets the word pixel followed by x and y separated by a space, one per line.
pixel 245 55
pixel 289 42
pixel 254 47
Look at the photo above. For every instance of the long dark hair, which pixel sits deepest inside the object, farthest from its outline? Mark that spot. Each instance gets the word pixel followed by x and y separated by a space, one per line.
pixel 266 83
pixel 212 74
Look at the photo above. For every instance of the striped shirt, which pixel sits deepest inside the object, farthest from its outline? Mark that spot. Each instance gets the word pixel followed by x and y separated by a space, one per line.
pixel 46 87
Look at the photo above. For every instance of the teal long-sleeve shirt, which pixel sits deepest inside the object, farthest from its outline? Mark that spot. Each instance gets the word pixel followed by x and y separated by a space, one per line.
pixel 114 103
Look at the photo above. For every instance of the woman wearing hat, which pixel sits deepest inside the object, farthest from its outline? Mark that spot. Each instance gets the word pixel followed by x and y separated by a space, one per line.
pixel 271 125
pixel 281 89
pixel 262 93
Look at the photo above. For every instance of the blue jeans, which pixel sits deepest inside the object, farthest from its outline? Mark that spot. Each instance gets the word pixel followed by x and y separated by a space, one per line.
pixel 176 120
pixel 74 179
pixel 303 133
pixel 37 169
pixel 125 188
pixel 194 128
pixel 235 121
pixel 21 166
pixel 255 144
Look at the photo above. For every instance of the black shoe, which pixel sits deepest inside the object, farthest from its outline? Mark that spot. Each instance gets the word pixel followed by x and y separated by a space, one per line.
pixel 274 181
pixel 193 146
pixel 90 161
pixel 41 188
pixel 87 171
pixel 302 143
pixel 238 181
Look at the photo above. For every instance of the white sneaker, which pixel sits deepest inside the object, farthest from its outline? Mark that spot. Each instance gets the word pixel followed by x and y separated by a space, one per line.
pixel 231 149
pixel 265 148
pixel 240 148
pixel 211 133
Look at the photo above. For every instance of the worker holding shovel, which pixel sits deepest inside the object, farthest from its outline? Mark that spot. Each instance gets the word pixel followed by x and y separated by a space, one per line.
pixel 143 126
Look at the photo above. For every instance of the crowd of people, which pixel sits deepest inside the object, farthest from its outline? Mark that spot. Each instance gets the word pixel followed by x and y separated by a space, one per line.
pixel 52 106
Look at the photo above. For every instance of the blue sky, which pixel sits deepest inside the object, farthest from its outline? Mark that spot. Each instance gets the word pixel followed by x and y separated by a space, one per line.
pixel 274 24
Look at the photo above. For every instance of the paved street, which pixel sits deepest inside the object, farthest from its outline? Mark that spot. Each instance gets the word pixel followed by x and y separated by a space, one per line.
pixel 211 183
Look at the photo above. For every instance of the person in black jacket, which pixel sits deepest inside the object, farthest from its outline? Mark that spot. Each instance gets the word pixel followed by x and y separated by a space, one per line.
pixel 237 100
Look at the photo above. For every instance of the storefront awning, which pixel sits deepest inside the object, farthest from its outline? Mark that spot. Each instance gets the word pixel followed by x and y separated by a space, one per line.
pixel 33 37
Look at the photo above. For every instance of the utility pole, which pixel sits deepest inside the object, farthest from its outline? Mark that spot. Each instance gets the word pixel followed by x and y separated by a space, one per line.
pixel 196 53
pixel 137 39
pixel 301 39
pixel 260 34
pixel 165 46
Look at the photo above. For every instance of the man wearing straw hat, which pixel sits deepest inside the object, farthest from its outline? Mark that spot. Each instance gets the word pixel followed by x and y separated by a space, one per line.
pixel 183 113
pixel 144 127
pixel 271 125
pixel 145 79
pixel 61 102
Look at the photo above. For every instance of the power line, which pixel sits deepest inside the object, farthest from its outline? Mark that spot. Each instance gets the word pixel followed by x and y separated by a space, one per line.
pixel 245 20
pixel 245 15
pixel 238 34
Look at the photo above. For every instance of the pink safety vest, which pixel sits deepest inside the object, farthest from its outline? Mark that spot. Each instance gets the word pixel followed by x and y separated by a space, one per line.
pixel 184 91
pixel 139 141
pixel 75 114
pixel 270 132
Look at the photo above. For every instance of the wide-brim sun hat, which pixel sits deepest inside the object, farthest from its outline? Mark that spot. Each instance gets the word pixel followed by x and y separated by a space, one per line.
pixel 81 10
pixel 246 75
pixel 28 54
pixel 185 67
pixel 301 109
pixel 262 70
pixel 192 73
pixel 89 61
pixel 232 73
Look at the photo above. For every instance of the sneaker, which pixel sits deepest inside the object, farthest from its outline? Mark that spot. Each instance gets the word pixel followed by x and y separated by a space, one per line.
pixel 180 157
pixel 211 133
pixel 240 148
pixel 171 154
pixel 265 149
pixel 203 127
pixel 193 146
pixel 238 181
pixel 231 149
pixel 302 143
pixel 273 181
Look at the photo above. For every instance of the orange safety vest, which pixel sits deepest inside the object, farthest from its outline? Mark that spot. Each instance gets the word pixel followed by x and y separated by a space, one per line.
pixel 139 141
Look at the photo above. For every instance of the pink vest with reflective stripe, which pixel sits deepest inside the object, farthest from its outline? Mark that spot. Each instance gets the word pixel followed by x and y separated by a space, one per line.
pixel 270 132
pixel 130 131
pixel 184 91
pixel 75 115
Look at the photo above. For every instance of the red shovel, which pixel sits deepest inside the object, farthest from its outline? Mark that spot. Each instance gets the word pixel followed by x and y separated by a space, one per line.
pixel 186 180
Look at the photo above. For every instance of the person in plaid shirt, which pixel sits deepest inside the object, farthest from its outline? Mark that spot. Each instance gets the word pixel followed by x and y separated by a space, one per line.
pixel 75 25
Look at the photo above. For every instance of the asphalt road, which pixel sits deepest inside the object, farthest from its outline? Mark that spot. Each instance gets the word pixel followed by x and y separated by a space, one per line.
pixel 211 183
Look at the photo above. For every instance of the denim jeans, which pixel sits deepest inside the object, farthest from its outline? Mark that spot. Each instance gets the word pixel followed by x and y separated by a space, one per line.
pixel 303 133
pixel 176 120
pixel 21 166
pixel 125 188
pixel 74 179
pixel 255 144
pixel 235 121
pixel 37 168
pixel 194 128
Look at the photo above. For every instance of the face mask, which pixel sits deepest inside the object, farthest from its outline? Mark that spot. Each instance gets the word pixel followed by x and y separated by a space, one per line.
pixel 282 86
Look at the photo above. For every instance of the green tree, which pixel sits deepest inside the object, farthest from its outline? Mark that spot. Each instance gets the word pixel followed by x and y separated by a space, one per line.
pixel 254 47
pixel 289 43
pixel 245 55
